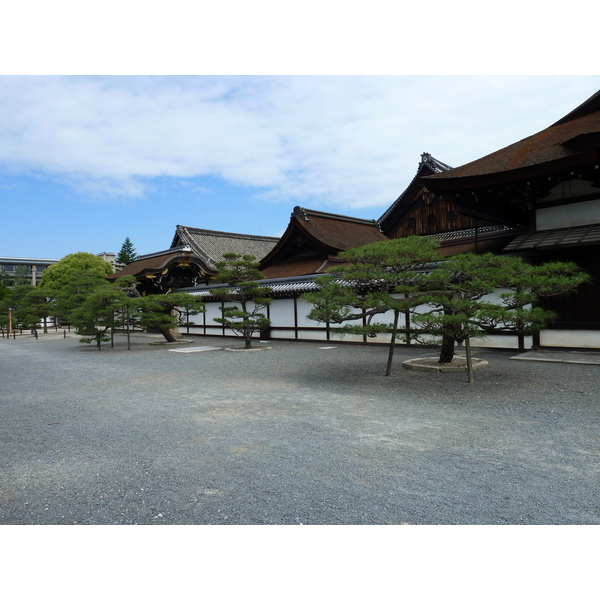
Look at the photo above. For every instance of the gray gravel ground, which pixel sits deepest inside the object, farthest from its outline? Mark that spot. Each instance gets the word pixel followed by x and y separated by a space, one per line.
pixel 292 435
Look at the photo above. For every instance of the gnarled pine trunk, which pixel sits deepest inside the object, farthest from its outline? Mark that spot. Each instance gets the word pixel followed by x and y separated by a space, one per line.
pixel 447 351
pixel 167 333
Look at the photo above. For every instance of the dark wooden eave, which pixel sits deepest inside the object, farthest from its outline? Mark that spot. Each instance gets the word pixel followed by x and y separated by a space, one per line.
pixel 413 193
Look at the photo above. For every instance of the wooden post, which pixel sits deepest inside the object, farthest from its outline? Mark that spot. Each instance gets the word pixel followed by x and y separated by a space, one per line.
pixel 470 377
pixel 392 343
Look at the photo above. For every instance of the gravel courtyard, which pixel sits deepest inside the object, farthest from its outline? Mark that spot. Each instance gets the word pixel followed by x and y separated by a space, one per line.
pixel 301 433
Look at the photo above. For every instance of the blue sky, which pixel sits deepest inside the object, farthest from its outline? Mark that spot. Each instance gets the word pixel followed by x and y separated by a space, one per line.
pixel 86 161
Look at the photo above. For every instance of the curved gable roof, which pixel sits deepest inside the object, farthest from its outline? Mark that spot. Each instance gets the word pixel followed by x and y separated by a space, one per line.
pixel 157 262
pixel 211 245
pixel 336 232
pixel 572 141
pixel 591 105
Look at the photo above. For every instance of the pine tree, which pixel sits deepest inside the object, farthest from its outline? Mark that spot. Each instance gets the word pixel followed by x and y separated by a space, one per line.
pixel 454 299
pixel 127 254
pixel 380 278
pixel 162 311
pixel 240 273
pixel 95 318
pixel 460 296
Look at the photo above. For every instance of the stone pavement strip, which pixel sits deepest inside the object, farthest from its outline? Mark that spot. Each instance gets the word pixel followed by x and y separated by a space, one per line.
pixel 564 356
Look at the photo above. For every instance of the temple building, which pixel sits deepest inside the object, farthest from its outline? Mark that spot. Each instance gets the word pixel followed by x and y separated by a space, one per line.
pixel 418 211
pixel 546 188
pixel 306 250
pixel 191 259
pixel 538 198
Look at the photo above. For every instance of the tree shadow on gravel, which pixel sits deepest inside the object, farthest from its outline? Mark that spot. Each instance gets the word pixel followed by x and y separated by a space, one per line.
pixel 503 380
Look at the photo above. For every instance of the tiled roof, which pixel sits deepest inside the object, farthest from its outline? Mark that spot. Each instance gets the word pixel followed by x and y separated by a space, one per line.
pixel 565 144
pixel 28 261
pixel 585 235
pixel 591 105
pixel 462 234
pixel 211 245
pixel 293 268
pixel 277 286
pixel 338 232
pixel 313 238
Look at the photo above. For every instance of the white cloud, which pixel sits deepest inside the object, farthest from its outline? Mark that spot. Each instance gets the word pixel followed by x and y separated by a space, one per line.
pixel 338 142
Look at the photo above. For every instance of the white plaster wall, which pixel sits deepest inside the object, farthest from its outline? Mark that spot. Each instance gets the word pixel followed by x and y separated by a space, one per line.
pixel 282 315
pixel 388 319
pixel 282 312
pixel 570 215
pixel 570 339
pixel 303 321
pixel 496 296
pixel 283 334
pixel 196 319
pixel 345 337
pixel 312 335
pixel 509 342
pixel 213 309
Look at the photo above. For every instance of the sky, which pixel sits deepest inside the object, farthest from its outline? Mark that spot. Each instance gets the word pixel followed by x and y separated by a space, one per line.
pixel 86 161
pixel 128 118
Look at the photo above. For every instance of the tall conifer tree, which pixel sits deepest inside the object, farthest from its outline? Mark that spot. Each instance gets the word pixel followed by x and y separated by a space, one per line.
pixel 127 253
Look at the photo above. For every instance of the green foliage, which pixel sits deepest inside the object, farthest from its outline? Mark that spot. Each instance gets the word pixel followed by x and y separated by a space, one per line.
pixel 461 305
pixel 380 277
pixel 5 281
pixel 30 307
pixel 34 308
pixel 127 253
pixel 241 274
pixel 71 280
pixel 63 272
pixel 15 300
pixel 71 295
pixel 457 297
pixel 95 307
pixel 22 275
pixel 120 305
pixel 162 311
pixel 4 291
pixel 97 314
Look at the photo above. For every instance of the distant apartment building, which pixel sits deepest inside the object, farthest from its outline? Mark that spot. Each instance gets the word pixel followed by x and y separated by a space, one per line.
pixel 23 270
pixel 110 258
pixel 29 270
